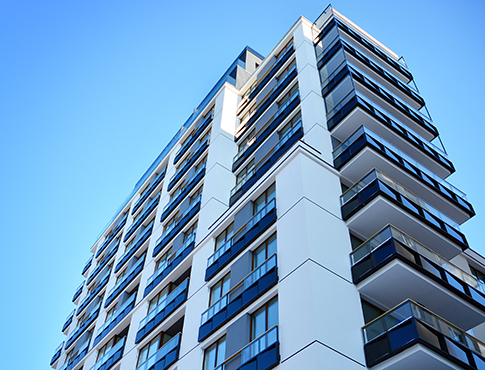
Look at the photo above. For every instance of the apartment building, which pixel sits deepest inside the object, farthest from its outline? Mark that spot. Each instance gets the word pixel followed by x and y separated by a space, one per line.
pixel 300 218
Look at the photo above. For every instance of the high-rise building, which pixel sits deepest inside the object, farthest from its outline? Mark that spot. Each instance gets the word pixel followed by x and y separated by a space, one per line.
pixel 300 218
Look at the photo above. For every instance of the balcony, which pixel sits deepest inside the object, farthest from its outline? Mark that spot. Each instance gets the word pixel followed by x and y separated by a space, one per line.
pixel 183 192
pixel 137 243
pixel 94 292
pixel 57 354
pixel 73 361
pixel 81 328
pixel 272 72
pixel 109 359
pixel 162 311
pixel 377 200
pixel 361 111
pixel 103 263
pixel 87 265
pixel 285 143
pixel 78 292
pixel 263 353
pixel 123 283
pixel 271 99
pixel 149 190
pixel 139 220
pixel 68 321
pixel 115 318
pixel 239 297
pixel 364 150
pixel 170 263
pixel 189 162
pixel 164 357
pixel 247 234
pixel 410 336
pixel 113 234
pixel 178 225
pixel 188 143
pixel 392 266
pixel 266 131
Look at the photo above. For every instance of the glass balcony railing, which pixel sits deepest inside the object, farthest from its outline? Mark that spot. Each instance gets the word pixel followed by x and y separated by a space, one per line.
pixel 117 312
pixel 127 276
pixel 149 190
pixel 390 232
pixel 362 130
pixel 295 95
pixel 162 305
pixel 88 264
pixel 111 353
pixel 168 347
pixel 374 174
pixel 68 321
pixel 192 205
pixel 78 292
pixel 223 249
pixel 120 223
pixel 170 258
pixel 57 353
pixel 247 282
pixel 411 310
pixel 137 243
pixel 194 136
pixel 81 327
pixel 259 344
pixel 139 220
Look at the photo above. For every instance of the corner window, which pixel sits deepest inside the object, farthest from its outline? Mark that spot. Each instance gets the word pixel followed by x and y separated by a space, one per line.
pixel 264 198
pixel 224 236
pixel 264 318
pixel 220 289
pixel 215 354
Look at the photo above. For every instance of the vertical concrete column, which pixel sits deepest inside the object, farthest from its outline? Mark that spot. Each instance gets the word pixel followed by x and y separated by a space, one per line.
pixel 312 105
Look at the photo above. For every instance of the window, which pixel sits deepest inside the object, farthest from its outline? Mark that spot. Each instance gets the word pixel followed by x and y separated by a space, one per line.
pixel 224 236
pixel 110 313
pixel 248 141
pixel 479 275
pixel 220 289
pixel 215 354
pixel 161 296
pixel 290 125
pixel 170 222
pixel 287 96
pixel 264 251
pixel 283 73
pixel 107 347
pixel 264 318
pixel 151 348
pixel 163 259
pixel 264 199
pixel 195 195
pixel 191 230
pixel 242 175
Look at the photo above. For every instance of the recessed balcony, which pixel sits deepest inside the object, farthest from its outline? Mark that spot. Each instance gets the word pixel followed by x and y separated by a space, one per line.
pixel 57 354
pixel 135 246
pixel 165 356
pixel 111 357
pixel 113 234
pixel 139 220
pixel 365 150
pixel 285 143
pixel 170 263
pixel 125 281
pixel 157 181
pixel 189 162
pixel 178 225
pixel 103 263
pixel 81 327
pixel 392 266
pixel 263 353
pixel 189 185
pixel 101 283
pixel 239 297
pixel 174 300
pixel 248 233
pixel 412 337
pixel 120 313
pixel 188 143
pixel 377 200
pixel 77 357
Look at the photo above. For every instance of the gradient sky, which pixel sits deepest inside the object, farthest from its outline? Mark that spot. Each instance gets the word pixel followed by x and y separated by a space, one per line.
pixel 91 91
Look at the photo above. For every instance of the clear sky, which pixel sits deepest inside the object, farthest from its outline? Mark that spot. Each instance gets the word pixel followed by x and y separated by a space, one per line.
pixel 91 91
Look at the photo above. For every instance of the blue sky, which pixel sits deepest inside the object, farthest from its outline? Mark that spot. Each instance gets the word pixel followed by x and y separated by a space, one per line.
pixel 90 93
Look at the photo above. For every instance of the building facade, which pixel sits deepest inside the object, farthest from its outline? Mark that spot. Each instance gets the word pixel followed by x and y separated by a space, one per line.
pixel 300 218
